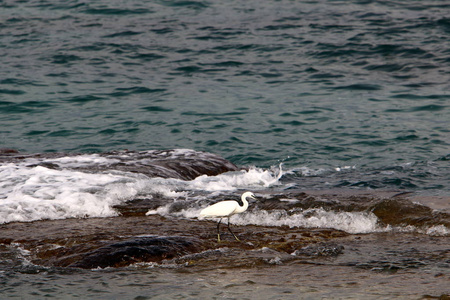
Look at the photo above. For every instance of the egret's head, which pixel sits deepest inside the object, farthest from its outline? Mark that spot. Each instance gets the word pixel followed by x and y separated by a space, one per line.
pixel 248 195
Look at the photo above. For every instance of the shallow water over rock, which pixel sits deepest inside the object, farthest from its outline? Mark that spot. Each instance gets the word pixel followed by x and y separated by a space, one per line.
pixel 306 260
pixel 313 242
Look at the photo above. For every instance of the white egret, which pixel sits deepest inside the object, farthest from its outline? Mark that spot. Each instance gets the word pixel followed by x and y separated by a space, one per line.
pixel 225 209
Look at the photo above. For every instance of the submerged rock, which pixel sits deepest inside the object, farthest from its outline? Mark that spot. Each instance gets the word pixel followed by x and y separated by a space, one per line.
pixel 405 212
pixel 139 249
pixel 181 164
pixel 178 163
pixel 135 238
pixel 319 250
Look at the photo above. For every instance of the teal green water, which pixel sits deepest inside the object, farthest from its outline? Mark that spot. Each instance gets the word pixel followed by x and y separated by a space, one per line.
pixel 314 84
pixel 346 94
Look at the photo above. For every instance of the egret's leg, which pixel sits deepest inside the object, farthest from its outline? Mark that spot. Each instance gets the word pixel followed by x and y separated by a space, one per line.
pixel 232 231
pixel 218 233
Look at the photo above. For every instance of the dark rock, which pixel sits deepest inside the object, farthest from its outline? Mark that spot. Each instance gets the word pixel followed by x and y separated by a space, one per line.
pixel 179 164
pixel 185 165
pixel 319 250
pixel 405 212
pixel 8 151
pixel 139 249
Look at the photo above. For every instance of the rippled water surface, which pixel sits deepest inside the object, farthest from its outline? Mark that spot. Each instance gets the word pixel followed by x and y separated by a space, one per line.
pixel 317 83
pixel 345 94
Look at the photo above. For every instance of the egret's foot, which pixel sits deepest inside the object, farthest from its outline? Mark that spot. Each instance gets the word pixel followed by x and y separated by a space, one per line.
pixel 229 229
pixel 235 237
pixel 218 238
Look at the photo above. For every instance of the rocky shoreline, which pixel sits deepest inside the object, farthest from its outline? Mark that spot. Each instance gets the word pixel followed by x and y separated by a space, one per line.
pixel 121 241
pixel 408 237
pixel 134 238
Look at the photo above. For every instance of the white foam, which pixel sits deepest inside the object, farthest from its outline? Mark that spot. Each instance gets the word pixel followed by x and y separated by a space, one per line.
pixel 308 172
pixel 35 193
pixel 438 230
pixel 82 160
pixel 29 193
pixel 339 169
pixel 351 222
pixel 77 161
pixel 253 178
pixel 435 230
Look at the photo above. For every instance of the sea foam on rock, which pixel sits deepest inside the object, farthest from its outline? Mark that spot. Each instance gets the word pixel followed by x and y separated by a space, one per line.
pixel 61 185
pixel 182 164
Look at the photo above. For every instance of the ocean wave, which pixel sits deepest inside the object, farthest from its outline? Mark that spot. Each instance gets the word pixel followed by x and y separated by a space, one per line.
pixel 356 222
pixel 37 193
pixel 90 185
pixel 58 186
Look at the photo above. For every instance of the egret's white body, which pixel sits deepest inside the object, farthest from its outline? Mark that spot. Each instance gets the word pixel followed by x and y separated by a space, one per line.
pixel 225 209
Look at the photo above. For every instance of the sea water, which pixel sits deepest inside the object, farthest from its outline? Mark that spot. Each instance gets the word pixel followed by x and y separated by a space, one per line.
pixel 302 94
pixel 321 84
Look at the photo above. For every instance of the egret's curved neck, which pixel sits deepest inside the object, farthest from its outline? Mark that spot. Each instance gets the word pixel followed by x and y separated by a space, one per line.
pixel 244 206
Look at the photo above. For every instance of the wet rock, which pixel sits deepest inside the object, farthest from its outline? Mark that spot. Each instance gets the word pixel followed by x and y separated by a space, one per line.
pixel 8 151
pixel 405 212
pixel 139 249
pixel 45 165
pixel 391 208
pixel 302 200
pixel 179 164
pixel 319 250
pixel 134 237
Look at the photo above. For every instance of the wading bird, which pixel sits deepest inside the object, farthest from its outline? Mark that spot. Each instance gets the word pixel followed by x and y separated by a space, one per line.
pixel 225 209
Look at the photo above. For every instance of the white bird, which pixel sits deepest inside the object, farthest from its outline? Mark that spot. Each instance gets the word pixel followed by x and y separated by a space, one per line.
pixel 225 209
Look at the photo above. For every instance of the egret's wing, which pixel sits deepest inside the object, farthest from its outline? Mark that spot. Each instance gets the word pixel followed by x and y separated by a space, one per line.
pixel 221 209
